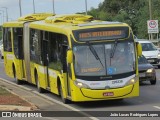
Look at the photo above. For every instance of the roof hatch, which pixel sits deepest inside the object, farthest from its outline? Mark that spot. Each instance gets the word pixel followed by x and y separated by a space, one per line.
pixel 73 18
pixel 35 17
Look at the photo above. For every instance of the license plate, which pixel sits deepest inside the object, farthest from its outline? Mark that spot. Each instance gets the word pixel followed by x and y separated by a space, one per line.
pixel 150 60
pixel 142 75
pixel 108 94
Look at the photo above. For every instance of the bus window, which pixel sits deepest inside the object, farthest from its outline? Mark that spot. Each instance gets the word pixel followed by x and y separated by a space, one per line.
pixel 18 42
pixel 35 46
pixel 7 40
pixel 56 51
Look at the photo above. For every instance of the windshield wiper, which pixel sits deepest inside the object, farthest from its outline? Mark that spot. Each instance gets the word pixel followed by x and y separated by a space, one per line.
pixel 94 52
pixel 114 48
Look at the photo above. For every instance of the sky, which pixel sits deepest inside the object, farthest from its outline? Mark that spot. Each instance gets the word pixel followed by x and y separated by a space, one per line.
pixel 60 7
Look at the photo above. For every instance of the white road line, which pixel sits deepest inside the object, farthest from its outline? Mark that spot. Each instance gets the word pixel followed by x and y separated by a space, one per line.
pixel 156 107
pixel 65 105
pixel 49 118
pixel 51 99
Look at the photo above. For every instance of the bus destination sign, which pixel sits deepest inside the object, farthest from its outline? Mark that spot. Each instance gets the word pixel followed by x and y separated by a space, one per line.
pixel 101 34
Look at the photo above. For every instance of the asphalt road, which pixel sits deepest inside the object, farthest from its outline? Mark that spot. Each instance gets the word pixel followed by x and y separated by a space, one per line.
pixel 149 99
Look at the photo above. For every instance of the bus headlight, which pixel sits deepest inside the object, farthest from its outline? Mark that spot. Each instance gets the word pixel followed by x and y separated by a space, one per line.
pixel 80 84
pixel 132 81
pixel 150 70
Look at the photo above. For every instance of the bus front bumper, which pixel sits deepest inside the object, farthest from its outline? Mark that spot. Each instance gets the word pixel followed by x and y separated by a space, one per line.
pixel 82 94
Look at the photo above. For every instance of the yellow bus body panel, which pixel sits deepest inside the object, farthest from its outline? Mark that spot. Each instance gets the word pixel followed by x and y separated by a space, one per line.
pixel 53 75
pixel 13 24
pixel 11 60
pixel 8 61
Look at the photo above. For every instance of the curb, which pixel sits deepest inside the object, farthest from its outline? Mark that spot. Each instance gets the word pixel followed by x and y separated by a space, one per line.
pixel 16 107
pixel 50 99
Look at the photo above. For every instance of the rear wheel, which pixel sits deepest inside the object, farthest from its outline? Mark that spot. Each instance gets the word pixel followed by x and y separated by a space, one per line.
pixel 40 90
pixel 19 82
pixel 153 82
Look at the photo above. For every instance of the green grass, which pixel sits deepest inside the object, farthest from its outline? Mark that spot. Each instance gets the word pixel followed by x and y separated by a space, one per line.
pixel 3 91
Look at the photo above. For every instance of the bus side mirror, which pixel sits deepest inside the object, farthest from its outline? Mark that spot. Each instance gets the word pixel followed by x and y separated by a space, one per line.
pixel 69 56
pixel 139 49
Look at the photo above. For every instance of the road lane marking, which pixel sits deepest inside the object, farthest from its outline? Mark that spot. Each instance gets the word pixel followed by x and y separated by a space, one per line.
pixel 50 118
pixel 65 105
pixel 51 99
pixel 156 107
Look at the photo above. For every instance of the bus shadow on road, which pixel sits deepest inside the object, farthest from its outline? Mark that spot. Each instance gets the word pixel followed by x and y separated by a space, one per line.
pixel 104 103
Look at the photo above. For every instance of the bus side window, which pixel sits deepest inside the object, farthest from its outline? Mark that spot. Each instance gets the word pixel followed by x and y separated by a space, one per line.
pixel 7 40
pixel 18 42
pixel 56 51
pixel 35 46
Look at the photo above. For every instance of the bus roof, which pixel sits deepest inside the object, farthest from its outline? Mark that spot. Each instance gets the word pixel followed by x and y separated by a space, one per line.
pixel 28 18
pixel 61 23
pixel 65 23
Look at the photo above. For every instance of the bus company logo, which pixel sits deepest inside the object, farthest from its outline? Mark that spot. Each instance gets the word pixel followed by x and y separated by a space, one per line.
pixel 117 81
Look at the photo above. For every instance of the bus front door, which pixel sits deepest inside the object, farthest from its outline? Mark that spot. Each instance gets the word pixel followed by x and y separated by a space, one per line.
pixel 66 69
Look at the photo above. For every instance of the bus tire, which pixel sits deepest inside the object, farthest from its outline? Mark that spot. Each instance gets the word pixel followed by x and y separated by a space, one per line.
pixel 18 82
pixel 153 82
pixel 64 100
pixel 40 90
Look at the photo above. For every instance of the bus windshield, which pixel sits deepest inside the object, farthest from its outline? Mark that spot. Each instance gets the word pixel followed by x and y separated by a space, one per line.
pixel 86 64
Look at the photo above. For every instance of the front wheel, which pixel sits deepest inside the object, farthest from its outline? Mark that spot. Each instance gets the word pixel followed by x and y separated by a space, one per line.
pixel 153 82
pixel 64 100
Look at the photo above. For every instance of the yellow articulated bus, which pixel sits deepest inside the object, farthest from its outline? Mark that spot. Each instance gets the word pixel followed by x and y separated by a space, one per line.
pixel 74 56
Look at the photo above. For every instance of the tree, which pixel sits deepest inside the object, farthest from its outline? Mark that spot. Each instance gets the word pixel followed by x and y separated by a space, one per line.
pixel 133 12
pixel 0 32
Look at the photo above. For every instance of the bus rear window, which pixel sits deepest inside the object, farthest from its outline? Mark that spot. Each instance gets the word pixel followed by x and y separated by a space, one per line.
pixel 101 34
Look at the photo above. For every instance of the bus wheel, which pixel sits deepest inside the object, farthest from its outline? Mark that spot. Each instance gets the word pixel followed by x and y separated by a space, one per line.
pixel 40 90
pixel 19 82
pixel 153 82
pixel 64 100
